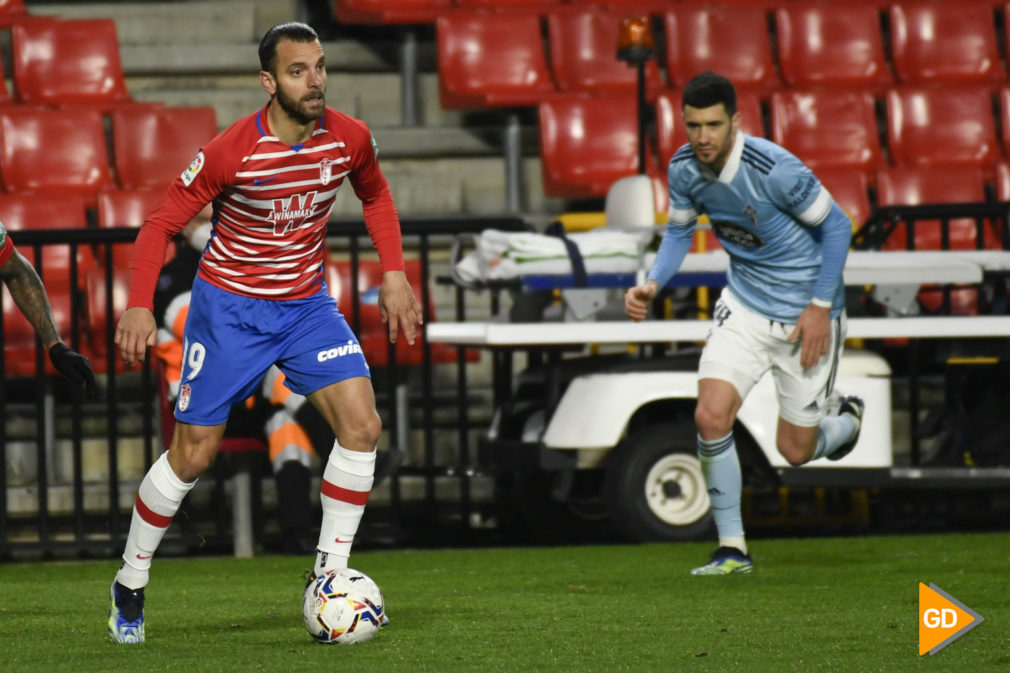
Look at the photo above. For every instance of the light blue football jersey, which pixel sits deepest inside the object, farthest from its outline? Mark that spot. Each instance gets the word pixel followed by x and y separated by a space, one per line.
pixel 769 211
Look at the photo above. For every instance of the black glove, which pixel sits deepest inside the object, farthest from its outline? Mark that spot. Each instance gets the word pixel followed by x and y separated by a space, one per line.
pixel 75 367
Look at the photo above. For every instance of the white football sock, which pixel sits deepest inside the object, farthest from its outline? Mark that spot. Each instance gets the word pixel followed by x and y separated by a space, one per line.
pixel 347 481
pixel 737 541
pixel 159 497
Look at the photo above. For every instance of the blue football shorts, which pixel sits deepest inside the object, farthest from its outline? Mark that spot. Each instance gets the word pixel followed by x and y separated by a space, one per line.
pixel 230 341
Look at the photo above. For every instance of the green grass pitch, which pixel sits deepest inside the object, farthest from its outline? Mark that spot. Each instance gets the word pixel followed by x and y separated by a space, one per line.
pixel 839 604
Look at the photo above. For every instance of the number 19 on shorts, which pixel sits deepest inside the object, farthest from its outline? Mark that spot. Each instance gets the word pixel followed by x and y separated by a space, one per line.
pixel 193 356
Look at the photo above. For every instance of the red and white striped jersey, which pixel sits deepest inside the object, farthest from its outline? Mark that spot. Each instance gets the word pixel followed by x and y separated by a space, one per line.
pixel 271 204
pixel 6 245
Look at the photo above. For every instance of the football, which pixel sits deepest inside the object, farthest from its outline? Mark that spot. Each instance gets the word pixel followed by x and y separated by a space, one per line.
pixel 342 607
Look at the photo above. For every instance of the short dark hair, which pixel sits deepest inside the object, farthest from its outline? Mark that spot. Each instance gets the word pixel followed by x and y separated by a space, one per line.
pixel 293 30
pixel 707 89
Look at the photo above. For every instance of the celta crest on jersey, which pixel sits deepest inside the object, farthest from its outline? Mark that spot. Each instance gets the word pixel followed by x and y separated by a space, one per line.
pixel 292 212
pixel 752 215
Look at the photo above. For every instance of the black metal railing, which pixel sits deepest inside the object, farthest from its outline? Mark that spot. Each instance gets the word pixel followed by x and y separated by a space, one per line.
pixel 45 398
pixel 990 221
pixel 914 226
pixel 91 330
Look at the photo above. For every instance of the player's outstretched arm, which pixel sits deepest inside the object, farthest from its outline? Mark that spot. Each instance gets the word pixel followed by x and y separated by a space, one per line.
pixel 30 295
pixel 398 306
pixel 134 333
pixel 637 299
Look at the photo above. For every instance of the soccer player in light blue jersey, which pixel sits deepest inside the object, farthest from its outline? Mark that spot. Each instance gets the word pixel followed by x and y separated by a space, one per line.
pixel 783 309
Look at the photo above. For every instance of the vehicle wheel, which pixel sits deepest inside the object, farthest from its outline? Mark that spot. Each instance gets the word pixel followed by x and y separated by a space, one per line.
pixel 655 488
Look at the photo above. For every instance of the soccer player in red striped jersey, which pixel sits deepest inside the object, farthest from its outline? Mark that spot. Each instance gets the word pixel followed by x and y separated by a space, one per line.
pixel 259 300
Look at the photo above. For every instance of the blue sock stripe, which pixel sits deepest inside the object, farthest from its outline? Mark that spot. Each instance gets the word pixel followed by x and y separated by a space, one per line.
pixel 723 479
pixel 714 447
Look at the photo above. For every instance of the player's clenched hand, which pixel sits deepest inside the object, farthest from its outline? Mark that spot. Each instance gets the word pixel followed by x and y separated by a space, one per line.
pixel 636 300
pixel 814 331
pixel 398 306
pixel 134 333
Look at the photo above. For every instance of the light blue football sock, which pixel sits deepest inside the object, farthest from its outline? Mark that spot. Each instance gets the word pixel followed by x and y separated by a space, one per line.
pixel 721 466
pixel 832 432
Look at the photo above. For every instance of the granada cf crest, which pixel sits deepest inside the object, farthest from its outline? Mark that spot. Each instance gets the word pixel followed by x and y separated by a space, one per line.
pixel 325 171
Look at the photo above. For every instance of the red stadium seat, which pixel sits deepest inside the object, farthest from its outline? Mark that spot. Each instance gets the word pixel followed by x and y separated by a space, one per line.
pixel 383 12
pixel 1004 107
pixel 670 132
pixel 626 6
pixel 491 60
pixel 23 212
pixel 152 146
pixel 536 6
pixel 1002 181
pixel 831 45
pixel 67 62
pixel 731 40
pixel 941 125
pixel 938 184
pixel 53 150
pixel 126 208
pixel 583 48
pixel 11 11
pixel 827 127
pixel 917 185
pixel 850 189
pixel 945 43
pixel 20 212
pixel 587 143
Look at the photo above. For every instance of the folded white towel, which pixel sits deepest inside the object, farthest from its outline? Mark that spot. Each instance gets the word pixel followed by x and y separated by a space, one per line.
pixel 501 254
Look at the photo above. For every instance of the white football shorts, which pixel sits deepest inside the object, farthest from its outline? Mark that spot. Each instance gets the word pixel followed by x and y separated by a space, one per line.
pixel 743 345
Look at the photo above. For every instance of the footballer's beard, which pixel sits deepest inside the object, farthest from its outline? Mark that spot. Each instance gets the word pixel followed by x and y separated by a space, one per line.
pixel 715 157
pixel 301 111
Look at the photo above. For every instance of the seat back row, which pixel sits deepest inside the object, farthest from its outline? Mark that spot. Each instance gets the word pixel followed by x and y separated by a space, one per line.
pixel 500 59
pixel 43 150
